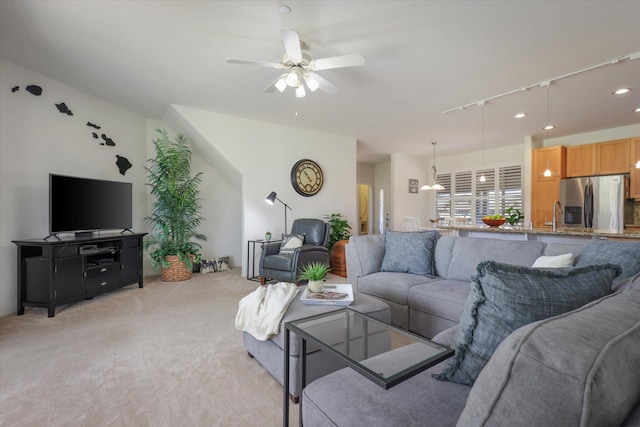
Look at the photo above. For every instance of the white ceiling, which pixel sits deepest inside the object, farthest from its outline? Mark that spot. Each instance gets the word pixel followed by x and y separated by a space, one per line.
pixel 421 58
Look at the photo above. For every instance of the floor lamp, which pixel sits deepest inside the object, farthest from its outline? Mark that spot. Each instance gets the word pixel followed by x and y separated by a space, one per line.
pixel 271 198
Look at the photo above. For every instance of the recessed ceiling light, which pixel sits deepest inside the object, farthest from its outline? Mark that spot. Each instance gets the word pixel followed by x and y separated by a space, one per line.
pixel 621 91
pixel 284 10
pixel 520 116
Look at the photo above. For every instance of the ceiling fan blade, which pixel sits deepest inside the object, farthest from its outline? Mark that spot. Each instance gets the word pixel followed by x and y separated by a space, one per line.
pixel 352 60
pixel 280 84
pixel 291 44
pixel 252 62
pixel 322 83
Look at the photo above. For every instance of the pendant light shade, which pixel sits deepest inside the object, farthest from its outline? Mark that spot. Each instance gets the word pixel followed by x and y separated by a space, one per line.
pixel 435 185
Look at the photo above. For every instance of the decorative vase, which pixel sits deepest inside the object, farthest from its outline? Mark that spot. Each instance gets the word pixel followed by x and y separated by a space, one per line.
pixel 315 285
pixel 267 237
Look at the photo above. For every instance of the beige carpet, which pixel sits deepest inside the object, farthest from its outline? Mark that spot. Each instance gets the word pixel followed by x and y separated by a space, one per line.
pixel 164 355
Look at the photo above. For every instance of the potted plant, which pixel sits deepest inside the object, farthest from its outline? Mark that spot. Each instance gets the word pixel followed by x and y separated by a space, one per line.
pixel 175 214
pixel 338 238
pixel 315 273
pixel 513 216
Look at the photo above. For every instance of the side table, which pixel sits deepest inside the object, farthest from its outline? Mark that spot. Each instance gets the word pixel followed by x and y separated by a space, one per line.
pixel 251 258
pixel 354 338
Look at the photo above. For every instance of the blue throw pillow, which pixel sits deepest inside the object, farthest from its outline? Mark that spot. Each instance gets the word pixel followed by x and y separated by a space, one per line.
pixel 410 252
pixel 625 254
pixel 505 297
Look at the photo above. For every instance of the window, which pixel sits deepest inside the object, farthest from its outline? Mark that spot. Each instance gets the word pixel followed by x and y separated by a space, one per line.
pixel 464 196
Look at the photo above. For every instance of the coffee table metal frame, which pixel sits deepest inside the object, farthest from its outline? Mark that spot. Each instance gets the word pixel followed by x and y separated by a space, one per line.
pixel 382 381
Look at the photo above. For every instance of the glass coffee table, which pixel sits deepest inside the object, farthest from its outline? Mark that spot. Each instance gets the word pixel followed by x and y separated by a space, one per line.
pixel 385 354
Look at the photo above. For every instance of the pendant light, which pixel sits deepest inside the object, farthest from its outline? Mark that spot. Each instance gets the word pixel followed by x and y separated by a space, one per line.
pixel 548 126
pixel 482 177
pixel 435 186
pixel 547 171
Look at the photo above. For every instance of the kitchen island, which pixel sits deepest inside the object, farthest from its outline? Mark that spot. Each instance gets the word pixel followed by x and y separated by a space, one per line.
pixel 543 234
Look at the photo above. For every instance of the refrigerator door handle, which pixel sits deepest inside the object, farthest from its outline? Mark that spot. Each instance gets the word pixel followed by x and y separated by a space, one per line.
pixel 590 205
pixel 585 206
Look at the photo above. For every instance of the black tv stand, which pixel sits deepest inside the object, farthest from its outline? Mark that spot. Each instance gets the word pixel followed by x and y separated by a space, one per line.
pixel 67 270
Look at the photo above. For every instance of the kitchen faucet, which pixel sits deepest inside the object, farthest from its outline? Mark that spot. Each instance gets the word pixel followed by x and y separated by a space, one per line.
pixel 554 221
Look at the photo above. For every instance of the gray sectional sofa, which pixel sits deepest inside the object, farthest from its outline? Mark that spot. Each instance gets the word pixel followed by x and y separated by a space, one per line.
pixel 428 306
pixel 578 368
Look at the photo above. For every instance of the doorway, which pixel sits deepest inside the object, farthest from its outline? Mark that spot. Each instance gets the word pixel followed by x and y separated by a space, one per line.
pixel 363 209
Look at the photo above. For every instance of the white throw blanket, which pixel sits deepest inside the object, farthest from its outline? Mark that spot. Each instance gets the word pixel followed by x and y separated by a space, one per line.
pixel 260 312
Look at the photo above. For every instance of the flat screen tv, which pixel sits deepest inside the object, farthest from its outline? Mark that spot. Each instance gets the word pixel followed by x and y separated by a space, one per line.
pixel 85 204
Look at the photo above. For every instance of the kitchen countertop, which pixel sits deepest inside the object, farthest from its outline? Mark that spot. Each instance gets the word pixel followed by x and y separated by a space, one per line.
pixel 629 233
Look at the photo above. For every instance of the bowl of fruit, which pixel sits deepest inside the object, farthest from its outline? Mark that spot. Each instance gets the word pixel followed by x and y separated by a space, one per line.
pixel 494 220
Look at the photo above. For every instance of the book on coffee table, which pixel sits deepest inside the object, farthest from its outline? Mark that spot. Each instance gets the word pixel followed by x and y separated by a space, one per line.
pixel 341 295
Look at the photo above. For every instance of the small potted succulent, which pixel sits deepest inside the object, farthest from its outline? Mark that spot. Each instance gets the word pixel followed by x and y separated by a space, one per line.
pixel 315 273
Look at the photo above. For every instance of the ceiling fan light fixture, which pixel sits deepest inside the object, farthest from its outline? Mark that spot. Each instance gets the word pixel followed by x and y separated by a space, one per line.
pixel 312 83
pixel 300 92
pixel 281 84
pixel 293 79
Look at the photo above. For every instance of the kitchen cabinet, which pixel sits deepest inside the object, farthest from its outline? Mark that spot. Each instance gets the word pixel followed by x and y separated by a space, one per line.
pixel 613 157
pixel 546 189
pixel 581 160
pixel 603 158
pixel 635 173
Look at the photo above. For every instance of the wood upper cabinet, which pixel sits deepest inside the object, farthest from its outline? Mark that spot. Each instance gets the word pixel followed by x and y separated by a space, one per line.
pixel 635 173
pixel 546 189
pixel 603 158
pixel 613 157
pixel 581 160
pixel 552 158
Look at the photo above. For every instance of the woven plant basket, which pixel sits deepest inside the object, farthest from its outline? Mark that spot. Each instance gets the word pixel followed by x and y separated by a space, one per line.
pixel 177 272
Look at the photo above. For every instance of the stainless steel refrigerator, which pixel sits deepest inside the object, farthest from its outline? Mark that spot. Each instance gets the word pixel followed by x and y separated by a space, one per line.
pixel 593 202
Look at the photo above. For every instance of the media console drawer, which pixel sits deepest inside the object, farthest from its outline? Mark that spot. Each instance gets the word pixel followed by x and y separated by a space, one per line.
pixel 102 270
pixel 99 284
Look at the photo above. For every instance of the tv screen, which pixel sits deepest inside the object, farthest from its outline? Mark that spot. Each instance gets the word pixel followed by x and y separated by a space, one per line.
pixel 84 204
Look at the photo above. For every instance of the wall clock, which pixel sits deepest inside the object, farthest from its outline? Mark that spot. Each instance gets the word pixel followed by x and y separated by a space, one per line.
pixel 307 177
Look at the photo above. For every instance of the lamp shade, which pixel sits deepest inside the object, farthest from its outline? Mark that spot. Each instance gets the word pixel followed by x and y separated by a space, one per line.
pixel 271 198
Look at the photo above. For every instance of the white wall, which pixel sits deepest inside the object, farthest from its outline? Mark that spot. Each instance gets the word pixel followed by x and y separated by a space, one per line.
pixel 255 158
pixel 36 139
pixel 403 168
pixel 597 136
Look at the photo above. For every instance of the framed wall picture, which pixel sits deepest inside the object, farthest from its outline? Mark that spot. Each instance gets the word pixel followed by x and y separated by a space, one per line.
pixel 413 185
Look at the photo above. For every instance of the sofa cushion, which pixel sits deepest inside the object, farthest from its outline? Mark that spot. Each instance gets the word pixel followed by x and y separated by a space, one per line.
pixel 598 251
pixel 468 252
pixel 585 365
pixel 370 250
pixel 442 254
pixel 346 398
pixel 409 252
pixel 391 286
pixel 505 297
pixel 444 298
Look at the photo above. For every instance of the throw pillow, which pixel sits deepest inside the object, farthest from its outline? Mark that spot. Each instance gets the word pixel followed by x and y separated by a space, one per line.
pixel 564 260
pixel 213 265
pixel 505 297
pixel 290 242
pixel 598 251
pixel 409 252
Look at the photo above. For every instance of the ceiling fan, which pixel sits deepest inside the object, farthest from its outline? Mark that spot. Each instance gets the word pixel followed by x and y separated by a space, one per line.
pixel 301 67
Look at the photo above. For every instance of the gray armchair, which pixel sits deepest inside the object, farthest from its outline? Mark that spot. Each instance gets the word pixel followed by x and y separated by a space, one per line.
pixel 285 267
